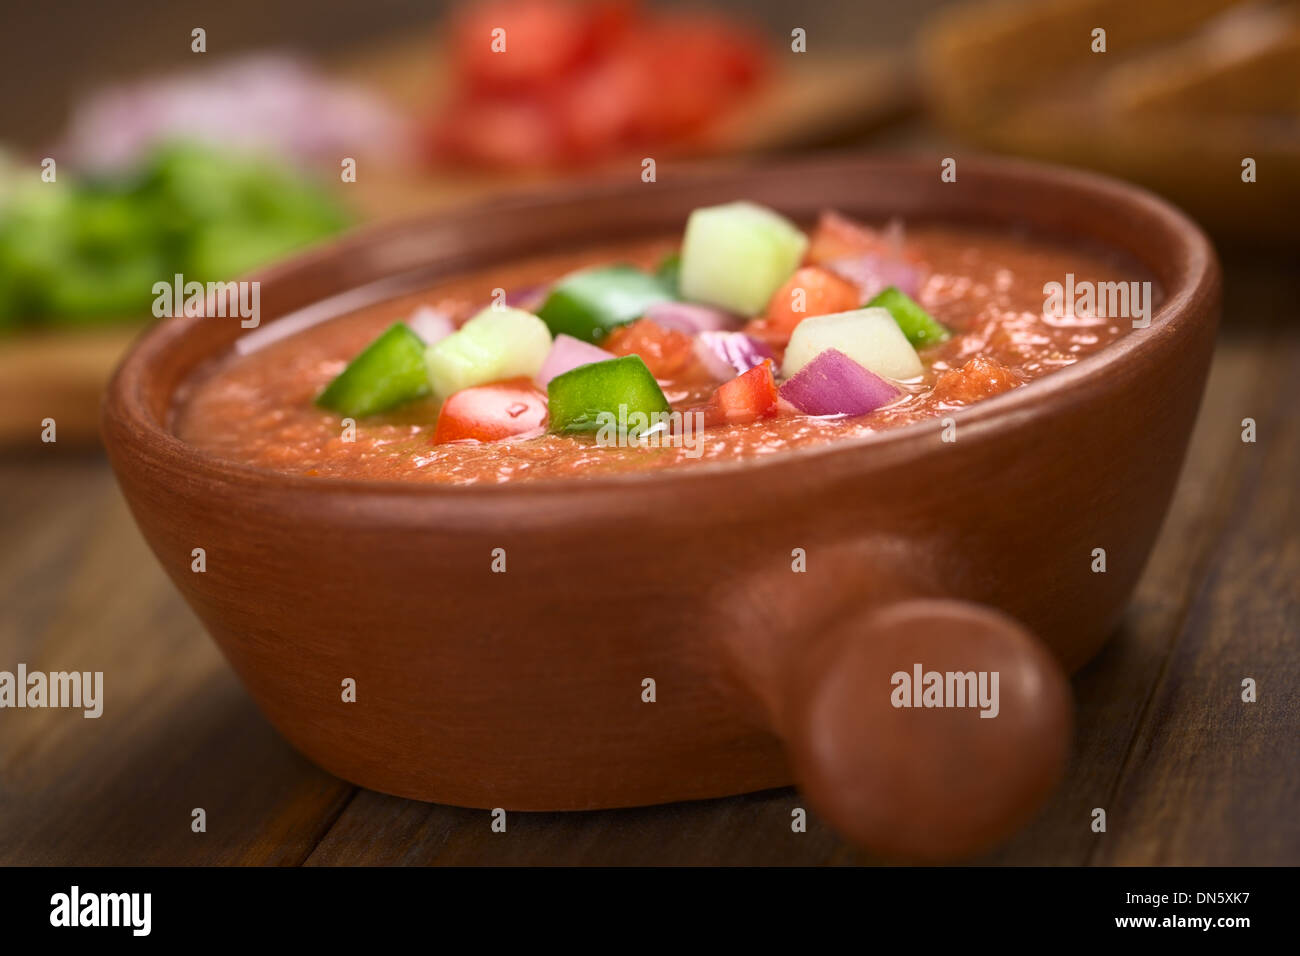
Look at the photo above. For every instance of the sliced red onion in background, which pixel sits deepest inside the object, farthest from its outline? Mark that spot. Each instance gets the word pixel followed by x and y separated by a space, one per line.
pixel 690 318
pixel 266 101
pixel 568 353
pixel 834 384
pixel 728 354
pixel 871 273
pixel 529 297
pixel 430 324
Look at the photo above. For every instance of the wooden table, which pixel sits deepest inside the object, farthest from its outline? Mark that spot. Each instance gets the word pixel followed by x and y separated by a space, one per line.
pixel 1187 772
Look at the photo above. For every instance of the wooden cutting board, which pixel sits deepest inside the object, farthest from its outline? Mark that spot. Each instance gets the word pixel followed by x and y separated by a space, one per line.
pixel 812 100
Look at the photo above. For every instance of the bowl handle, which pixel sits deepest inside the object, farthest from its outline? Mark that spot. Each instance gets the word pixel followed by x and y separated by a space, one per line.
pixel 906 771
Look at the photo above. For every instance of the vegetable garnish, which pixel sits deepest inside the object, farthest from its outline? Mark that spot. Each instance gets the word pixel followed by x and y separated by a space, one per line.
pixel 918 325
pixel 389 372
pixel 492 412
pixel 587 398
pixel 666 352
pixel 812 290
pixel 430 324
pixel 568 353
pixel 871 259
pixel 746 398
pixel 834 384
pixel 669 272
pixel 736 255
pixel 725 354
pixel 590 303
pixel 691 318
pixel 870 337
pixel 838 358
pixel 871 273
pixel 494 345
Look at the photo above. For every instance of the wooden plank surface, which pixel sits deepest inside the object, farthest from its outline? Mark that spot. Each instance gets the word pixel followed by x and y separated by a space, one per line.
pixel 1186 772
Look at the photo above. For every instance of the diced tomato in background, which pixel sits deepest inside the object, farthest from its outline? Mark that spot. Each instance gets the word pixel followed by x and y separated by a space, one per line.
pixel 579 81
pixel 838 237
pixel 746 398
pixel 491 412
pixel 611 20
pixel 516 133
pixel 695 66
pixel 668 354
pixel 543 39
pixel 596 109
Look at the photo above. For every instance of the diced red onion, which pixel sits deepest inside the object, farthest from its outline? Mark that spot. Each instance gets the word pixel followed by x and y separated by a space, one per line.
pixel 728 354
pixel 871 273
pixel 529 297
pixel 690 318
pixel 895 234
pixel 568 353
pixel 430 324
pixel 834 384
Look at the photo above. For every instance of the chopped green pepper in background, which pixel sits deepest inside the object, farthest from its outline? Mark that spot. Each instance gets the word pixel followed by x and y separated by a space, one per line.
pixel 580 395
pixel 87 250
pixel 589 304
pixel 389 372
pixel 917 324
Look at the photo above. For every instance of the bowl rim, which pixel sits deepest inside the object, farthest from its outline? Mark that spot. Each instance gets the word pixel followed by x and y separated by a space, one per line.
pixel 1196 276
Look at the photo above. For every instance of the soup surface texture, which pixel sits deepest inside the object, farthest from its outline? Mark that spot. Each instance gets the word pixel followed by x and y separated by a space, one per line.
pixel 986 287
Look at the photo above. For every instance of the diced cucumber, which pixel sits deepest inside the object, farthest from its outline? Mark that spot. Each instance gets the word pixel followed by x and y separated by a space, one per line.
pixel 737 255
pixel 589 303
pixel 579 396
pixel 388 372
pixel 494 345
pixel 920 327
pixel 870 337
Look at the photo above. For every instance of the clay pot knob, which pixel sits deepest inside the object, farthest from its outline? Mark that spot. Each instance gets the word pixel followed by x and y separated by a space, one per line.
pixel 927 783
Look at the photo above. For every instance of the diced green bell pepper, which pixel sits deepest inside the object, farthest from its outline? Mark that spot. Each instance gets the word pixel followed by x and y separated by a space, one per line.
pixel 589 303
pixel 620 387
pixel 389 372
pixel 669 272
pixel 918 325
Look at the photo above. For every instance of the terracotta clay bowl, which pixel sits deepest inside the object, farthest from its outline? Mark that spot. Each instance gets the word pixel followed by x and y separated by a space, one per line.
pixel 527 690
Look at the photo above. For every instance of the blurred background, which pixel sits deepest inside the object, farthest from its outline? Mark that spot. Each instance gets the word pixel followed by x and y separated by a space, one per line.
pixel 209 162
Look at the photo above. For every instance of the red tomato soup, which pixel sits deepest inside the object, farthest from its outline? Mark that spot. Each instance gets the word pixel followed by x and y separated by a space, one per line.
pixel 775 357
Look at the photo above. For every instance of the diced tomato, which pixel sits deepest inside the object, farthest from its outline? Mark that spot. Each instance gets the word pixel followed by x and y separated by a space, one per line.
pixel 668 354
pixel 596 109
pixel 812 290
pixel 695 67
pixel 579 80
pixel 491 412
pixel 508 132
pixel 746 398
pixel 609 21
pixel 542 39
pixel 837 237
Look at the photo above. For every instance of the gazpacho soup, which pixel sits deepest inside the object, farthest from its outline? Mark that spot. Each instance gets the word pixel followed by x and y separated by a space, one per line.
pixel 745 338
